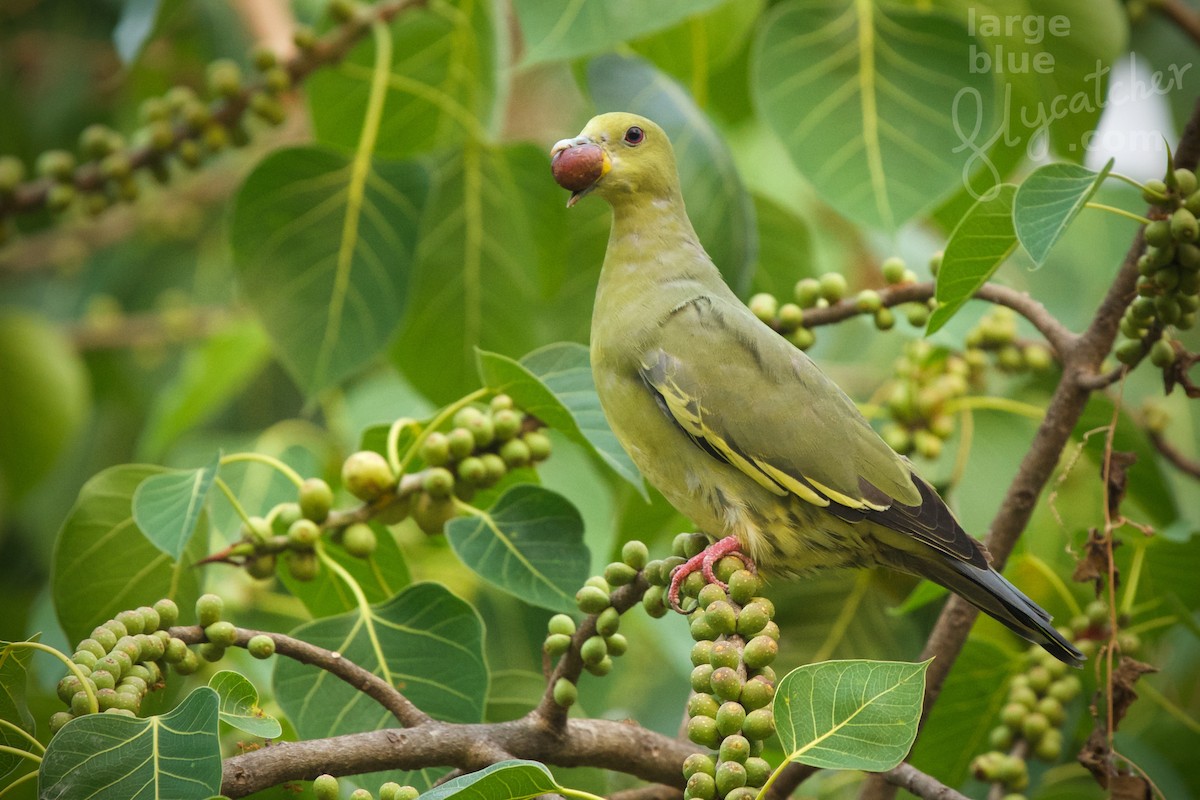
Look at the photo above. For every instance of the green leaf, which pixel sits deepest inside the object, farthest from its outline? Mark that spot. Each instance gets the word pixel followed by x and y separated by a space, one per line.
pixel 719 205
pixel 425 641
pixel 1048 200
pixel 859 95
pixel 980 243
pixel 211 375
pixel 239 705
pixel 323 248
pixel 530 544
pixel 498 267
pixel 1052 81
pixel 513 693
pixel 446 82
pixel 42 405
pixel 702 43
pixel 850 714
pixel 507 780
pixel 554 383
pixel 13 705
pixel 103 564
pixel 554 31
pixel 111 757
pixel 167 507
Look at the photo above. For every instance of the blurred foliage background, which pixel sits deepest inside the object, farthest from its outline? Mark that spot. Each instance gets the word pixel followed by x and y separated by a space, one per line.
pixel 199 316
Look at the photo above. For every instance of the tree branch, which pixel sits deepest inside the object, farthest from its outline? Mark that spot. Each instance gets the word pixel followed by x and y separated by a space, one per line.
pixel 1081 364
pixel 1181 462
pixel 617 746
pixel 335 664
pixel 1184 18
pixel 906 776
pixel 1057 335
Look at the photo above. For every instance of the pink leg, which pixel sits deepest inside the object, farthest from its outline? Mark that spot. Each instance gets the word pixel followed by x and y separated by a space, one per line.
pixel 704 561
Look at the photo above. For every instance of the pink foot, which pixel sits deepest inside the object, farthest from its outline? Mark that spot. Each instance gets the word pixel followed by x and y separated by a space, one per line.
pixel 704 561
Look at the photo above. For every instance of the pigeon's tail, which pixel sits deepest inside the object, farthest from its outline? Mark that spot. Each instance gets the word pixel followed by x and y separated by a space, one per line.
pixel 993 594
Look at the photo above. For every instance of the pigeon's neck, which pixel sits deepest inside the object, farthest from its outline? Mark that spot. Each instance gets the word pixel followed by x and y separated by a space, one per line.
pixel 652 241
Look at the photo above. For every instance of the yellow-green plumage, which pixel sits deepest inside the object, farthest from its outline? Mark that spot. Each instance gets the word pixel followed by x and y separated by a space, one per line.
pixel 738 429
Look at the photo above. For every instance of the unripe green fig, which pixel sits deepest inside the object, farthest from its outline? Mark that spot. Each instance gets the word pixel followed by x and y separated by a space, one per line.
pixel 479 424
pixel 868 301
pixel 701 678
pixel 539 445
pixel 1184 227
pixel 209 608
pixel 435 450
pixel 366 475
pixel 1157 233
pixel 224 78
pixel 565 693
pixel 506 423
pixel 635 554
pixel 885 319
pixel 303 534
pixel 893 269
pixel 807 292
pixel 261 646
pixel 790 317
pixel 438 482
pixel 325 787
pixel 1162 354
pixel 431 513
pixel 703 731
pixel 1154 192
pixel 730 716
pixel 556 644
pixel 833 286
pixel 515 453
pixel 316 499
pixel 730 775
pixel 592 600
pixel 701 704
pixel 303 566
pixel 764 306
pixel 608 621
pixel 359 540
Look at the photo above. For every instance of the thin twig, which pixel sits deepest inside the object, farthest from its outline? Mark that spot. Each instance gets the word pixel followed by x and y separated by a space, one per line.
pixel 335 664
pixel 1057 335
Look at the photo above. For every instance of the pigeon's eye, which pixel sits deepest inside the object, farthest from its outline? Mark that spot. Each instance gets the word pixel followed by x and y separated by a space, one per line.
pixel 634 136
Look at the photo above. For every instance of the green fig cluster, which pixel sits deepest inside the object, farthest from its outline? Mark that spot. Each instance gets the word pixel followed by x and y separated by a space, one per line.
pixel 830 288
pixel 918 398
pixel 1094 626
pixel 733 683
pixel 326 787
pixel 996 336
pixel 290 532
pixel 482 445
pixel 121 661
pixel 1168 287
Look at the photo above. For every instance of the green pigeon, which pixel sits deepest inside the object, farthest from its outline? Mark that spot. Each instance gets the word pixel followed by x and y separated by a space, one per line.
pixel 737 428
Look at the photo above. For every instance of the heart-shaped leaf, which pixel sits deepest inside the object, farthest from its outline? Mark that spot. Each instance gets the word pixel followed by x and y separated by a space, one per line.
pixel 850 714
pixel 239 705
pixel 529 543
pixel 859 92
pixel 112 757
pixel 1048 200
pixel 167 507
pixel 323 245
